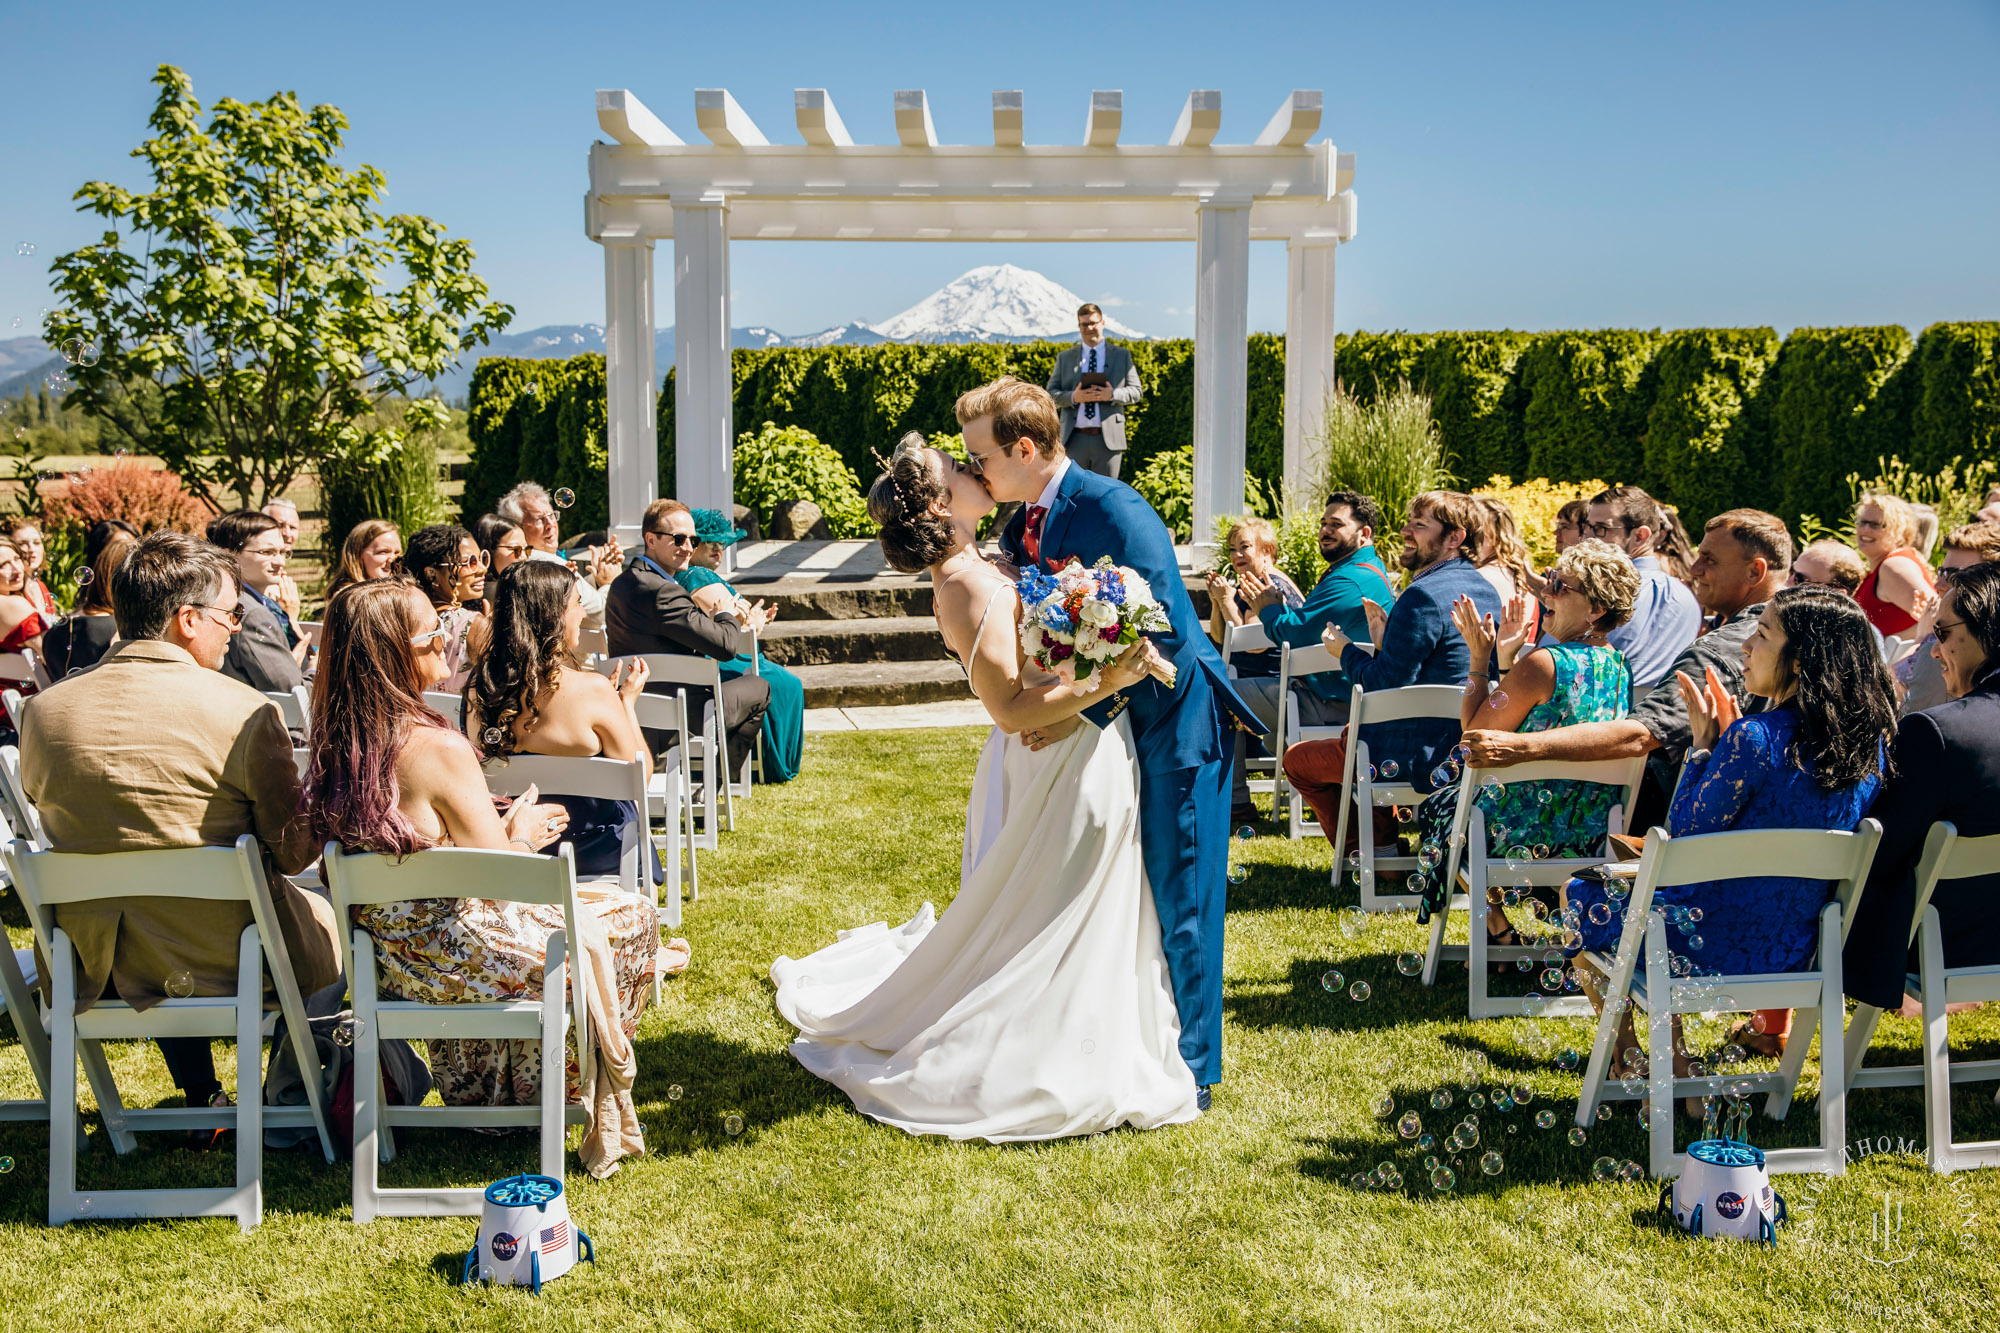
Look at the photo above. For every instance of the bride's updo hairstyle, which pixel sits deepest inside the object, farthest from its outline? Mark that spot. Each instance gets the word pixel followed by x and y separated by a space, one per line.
pixel 913 538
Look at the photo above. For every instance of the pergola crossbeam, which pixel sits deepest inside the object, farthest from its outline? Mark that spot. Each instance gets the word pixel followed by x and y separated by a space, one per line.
pixel 1200 120
pixel 819 124
pixel 1297 120
pixel 724 122
pixel 1107 113
pixel 913 119
pixel 626 119
pixel 1007 127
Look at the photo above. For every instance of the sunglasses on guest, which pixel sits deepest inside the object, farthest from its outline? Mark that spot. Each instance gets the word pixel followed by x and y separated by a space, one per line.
pixel 687 539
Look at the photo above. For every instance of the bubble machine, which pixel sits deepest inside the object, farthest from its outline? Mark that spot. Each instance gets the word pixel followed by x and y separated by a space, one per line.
pixel 526 1236
pixel 1724 1193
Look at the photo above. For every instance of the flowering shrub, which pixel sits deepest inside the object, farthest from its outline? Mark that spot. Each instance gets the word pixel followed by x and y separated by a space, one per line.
pixel 1535 503
pixel 147 498
pixel 780 463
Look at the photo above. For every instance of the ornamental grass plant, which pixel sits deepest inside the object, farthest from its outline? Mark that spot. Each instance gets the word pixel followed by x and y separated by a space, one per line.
pixel 1389 449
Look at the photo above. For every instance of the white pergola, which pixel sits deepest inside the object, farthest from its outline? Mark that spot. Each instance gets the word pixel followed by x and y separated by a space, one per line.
pixel 649 185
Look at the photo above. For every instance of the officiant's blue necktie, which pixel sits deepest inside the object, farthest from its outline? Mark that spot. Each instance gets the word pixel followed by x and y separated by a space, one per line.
pixel 1090 409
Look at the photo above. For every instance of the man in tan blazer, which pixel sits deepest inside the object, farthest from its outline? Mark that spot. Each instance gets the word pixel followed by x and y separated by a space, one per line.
pixel 154 747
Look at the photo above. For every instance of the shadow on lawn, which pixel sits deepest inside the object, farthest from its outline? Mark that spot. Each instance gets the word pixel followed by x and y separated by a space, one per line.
pixel 1303 1000
pixel 691 1082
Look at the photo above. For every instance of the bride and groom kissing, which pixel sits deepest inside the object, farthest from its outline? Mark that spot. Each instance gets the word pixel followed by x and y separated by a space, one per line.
pixel 1075 982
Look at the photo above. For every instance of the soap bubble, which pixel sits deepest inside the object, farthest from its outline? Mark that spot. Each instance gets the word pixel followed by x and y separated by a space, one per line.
pixel 1371 777
pixel 1237 874
pixel 1568 1060
pixel 1694 915
pixel 1089 1046
pixel 1497 699
pixel 180 985
pixel 1695 942
pixel 84 574
pixel 1543 796
pixel 1384 1106
pixel 1475 1099
pixel 494 738
pixel 6 1165
pixel 85 1205
pixel 1418 881
pixel 1390 768
pixel 1441 1099
pixel 1332 979
pixel 674 1092
pixel 1409 964
pixel 1631 1173
pixel 486 1273
pixel 1546 1119
pixel 1246 833
pixel 1541 851
pixel 1360 990
pixel 1524 1094
pixel 1410 1125
pixel 1603 1169
pixel 1443 1178
pixel 1503 1100
pixel 1552 978
pixel 732 1125
pixel 1534 1006
pixel 1492 1163
pixel 1576 1136
pixel 1604 1111
pixel 1600 914
pixel 25 249
pixel 1429 855
pixel 1426 1142
pixel 564 497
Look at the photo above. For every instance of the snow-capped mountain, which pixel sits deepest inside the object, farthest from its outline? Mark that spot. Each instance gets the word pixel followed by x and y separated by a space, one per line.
pixel 996 303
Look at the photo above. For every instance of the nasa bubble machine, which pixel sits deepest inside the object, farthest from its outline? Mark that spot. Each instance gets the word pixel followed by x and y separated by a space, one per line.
pixel 1724 1193
pixel 526 1236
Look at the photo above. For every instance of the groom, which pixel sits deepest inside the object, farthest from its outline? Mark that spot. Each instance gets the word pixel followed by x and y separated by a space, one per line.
pixel 1183 734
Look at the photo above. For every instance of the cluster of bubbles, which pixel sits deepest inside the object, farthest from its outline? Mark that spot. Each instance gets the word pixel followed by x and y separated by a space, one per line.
pixel 80 352
pixel 1238 872
pixel 1333 979
pixel 25 250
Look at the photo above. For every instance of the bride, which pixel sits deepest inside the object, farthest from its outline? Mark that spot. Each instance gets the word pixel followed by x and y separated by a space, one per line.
pixel 1038 1006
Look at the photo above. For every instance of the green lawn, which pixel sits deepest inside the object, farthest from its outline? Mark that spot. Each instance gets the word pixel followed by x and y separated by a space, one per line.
pixel 1246 1219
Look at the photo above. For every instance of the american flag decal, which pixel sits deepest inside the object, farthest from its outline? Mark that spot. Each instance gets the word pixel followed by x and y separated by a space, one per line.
pixel 555 1239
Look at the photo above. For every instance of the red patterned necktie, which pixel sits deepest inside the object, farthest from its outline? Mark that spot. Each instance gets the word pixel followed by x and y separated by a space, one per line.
pixel 1031 538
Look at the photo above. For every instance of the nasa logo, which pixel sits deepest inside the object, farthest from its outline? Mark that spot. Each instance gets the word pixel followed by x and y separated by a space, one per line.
pixel 505 1246
pixel 1729 1204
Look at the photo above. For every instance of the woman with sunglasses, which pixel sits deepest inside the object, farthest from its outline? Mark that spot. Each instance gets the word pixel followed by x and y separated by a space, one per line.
pixel 1574 678
pixel 451 569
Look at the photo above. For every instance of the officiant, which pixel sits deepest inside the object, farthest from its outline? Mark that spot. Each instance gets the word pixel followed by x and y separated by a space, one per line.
pixel 1093 383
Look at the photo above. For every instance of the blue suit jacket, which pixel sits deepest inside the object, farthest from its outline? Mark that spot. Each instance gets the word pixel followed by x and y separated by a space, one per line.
pixel 1191 724
pixel 1420 646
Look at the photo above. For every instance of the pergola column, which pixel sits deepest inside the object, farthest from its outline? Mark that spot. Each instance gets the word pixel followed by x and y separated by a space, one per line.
pixel 631 431
pixel 704 424
pixel 1221 360
pixel 1309 368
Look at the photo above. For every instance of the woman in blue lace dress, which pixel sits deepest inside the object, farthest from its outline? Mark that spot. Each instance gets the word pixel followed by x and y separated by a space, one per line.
pixel 1577 678
pixel 1815 759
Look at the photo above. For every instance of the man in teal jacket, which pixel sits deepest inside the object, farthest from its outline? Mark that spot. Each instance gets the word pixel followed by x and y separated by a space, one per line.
pixel 1353 577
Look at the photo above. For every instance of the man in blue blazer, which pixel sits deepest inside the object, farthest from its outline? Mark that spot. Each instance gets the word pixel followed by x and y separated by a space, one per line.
pixel 1184 734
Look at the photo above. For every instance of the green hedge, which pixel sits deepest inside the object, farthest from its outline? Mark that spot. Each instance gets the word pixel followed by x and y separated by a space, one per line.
pixel 1706 418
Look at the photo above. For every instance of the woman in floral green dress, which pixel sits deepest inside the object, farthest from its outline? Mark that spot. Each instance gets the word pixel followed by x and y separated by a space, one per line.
pixel 1575 677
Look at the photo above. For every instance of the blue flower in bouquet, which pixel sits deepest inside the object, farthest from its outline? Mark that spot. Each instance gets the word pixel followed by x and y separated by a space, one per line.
pixel 1110 586
pixel 1035 586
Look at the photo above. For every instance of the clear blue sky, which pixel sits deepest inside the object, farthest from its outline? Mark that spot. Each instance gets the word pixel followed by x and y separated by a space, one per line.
pixel 1526 166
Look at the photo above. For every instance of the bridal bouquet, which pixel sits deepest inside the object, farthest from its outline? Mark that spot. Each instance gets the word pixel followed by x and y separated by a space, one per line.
pixel 1076 620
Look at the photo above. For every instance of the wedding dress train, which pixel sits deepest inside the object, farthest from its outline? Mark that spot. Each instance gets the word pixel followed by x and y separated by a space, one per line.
pixel 1038 1005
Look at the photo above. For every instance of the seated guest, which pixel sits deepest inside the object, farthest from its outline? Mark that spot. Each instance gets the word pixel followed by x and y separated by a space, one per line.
pixel 1419 647
pixel 287 515
pixel 155 748
pixel 529 508
pixel 389 775
pixel 1503 559
pixel 1990 508
pixel 504 543
pixel 1252 544
pixel 1814 759
pixel 1665 618
pixel 267 653
pixel 1577 678
pixel 80 639
pixel 784 731
pixel 1945 765
pixel 1828 563
pixel 530 694
pixel 1354 579
pixel 451 569
pixel 648 612
pixel 1898 588
pixel 373 550
pixel 1569 524
pixel 1742 563
pixel 102 533
pixel 26 534
pixel 1919 675
pixel 22 623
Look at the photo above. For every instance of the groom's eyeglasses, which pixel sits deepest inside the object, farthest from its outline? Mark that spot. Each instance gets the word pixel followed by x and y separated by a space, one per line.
pixel 977 462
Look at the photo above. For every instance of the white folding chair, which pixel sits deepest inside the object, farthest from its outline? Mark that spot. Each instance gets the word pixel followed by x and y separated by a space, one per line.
pixel 1945 856
pixel 50 880
pixel 1363 789
pixel 757 670
pixel 21 814
pixel 670 795
pixel 451 705
pixel 452 872
pixel 708 742
pixel 24 668
pixel 18 998
pixel 607 780
pixel 1478 869
pixel 1293 663
pixel 1250 637
pixel 592 643
pixel 1842 858
pixel 295 706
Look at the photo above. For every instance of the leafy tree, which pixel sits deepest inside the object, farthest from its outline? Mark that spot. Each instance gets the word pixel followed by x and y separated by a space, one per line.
pixel 238 320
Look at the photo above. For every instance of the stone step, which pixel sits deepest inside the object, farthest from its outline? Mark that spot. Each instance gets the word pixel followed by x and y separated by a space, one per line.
pixel 875 684
pixel 882 639
pixel 811 599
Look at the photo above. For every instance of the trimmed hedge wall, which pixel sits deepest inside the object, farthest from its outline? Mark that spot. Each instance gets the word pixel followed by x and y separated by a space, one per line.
pixel 1704 418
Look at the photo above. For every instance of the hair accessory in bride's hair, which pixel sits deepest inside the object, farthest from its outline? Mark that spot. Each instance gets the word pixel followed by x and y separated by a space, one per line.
pixel 912 444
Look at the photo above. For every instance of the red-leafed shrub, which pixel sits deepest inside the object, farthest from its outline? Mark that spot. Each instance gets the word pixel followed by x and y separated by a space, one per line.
pixel 147 498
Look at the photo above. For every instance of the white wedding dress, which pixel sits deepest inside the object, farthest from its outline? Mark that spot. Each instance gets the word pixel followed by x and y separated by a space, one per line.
pixel 1038 1006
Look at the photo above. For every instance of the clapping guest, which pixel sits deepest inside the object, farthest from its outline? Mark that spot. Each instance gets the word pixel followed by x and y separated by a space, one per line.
pixel 784 730
pixel 448 565
pixel 268 652
pixel 21 621
pixel 1577 678
pixel 1946 766
pixel 1814 759
pixel 389 775
pixel 1919 675
pixel 1252 544
pixel 372 550
pixel 1898 588
pixel 80 639
pixel 26 534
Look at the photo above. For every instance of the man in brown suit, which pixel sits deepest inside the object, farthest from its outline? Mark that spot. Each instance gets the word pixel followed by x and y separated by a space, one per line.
pixel 154 747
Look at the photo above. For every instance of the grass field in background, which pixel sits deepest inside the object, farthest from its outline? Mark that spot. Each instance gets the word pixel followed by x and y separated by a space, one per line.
pixel 816 1218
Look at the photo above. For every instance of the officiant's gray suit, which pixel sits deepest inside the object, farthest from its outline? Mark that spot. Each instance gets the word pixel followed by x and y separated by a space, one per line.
pixel 1096 441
